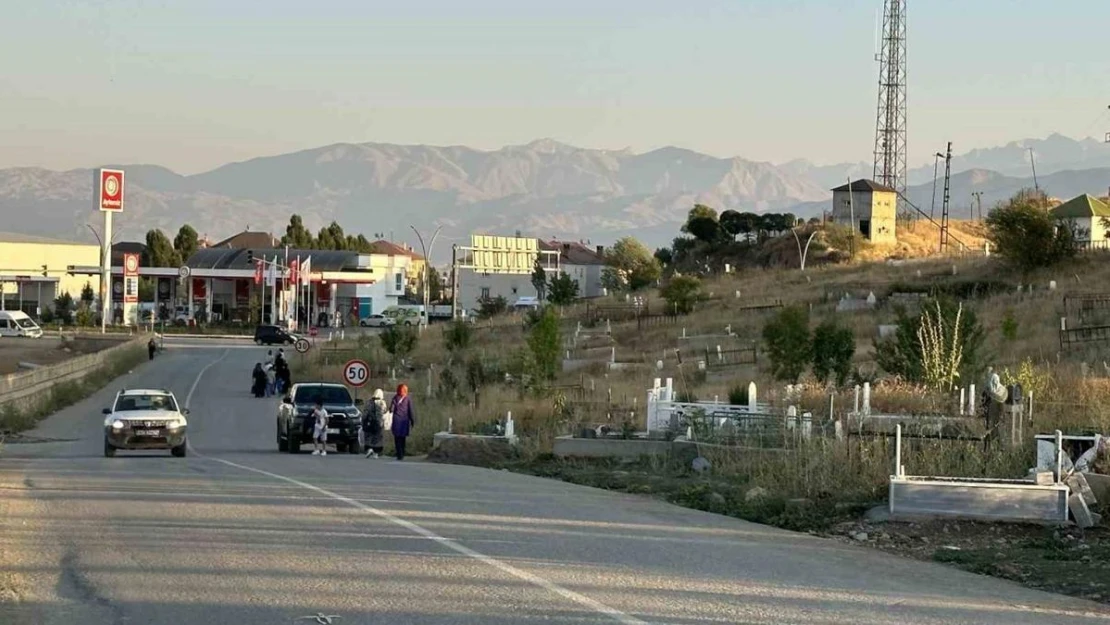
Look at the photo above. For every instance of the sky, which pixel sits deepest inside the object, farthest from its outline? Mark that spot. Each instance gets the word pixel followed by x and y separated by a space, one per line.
pixel 193 84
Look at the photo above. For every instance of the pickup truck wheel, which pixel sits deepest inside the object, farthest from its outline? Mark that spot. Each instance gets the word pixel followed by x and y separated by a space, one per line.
pixel 283 444
pixel 292 443
pixel 179 451
pixel 109 451
pixel 353 448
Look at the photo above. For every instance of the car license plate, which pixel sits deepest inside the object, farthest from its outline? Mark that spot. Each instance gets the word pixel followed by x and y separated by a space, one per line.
pixel 147 432
pixel 333 430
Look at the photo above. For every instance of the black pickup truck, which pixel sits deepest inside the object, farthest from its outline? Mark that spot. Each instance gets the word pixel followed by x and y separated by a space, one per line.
pixel 295 421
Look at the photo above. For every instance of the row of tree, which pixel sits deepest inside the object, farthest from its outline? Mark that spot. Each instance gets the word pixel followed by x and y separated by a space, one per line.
pixel 705 225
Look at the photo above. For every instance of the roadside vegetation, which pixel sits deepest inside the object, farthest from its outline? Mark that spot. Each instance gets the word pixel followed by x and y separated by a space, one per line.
pixel 14 420
pixel 946 320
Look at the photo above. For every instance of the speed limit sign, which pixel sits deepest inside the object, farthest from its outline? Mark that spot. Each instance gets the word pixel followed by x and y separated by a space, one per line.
pixel 356 373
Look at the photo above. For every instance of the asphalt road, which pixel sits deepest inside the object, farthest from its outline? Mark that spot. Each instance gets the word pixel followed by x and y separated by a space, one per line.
pixel 238 534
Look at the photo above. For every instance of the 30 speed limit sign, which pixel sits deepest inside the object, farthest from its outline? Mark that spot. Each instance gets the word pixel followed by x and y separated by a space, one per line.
pixel 356 373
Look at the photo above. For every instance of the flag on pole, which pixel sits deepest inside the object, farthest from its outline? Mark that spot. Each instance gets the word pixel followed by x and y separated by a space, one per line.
pixel 295 271
pixel 271 277
pixel 258 272
pixel 305 271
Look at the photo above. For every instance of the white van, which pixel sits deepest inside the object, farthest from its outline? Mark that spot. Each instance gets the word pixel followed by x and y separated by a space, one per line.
pixel 17 323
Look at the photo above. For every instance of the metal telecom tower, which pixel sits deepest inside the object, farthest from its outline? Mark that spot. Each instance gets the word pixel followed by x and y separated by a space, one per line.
pixel 890 118
pixel 946 206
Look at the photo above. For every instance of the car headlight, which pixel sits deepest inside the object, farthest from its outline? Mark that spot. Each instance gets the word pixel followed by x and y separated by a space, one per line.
pixel 117 425
pixel 177 424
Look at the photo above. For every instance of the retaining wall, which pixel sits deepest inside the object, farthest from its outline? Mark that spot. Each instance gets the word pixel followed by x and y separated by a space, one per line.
pixel 19 389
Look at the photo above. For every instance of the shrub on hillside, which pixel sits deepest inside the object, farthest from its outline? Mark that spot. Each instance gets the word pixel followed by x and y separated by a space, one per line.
pixel 903 353
pixel 1027 235
pixel 833 349
pixel 682 293
pixel 788 344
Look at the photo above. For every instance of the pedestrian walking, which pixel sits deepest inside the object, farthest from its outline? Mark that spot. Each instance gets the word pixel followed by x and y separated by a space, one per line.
pixel 404 419
pixel 372 424
pixel 320 431
pixel 258 380
pixel 151 347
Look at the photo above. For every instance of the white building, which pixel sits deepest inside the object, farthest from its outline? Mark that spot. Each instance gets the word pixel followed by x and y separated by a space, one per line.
pixel 582 263
pixel 1085 216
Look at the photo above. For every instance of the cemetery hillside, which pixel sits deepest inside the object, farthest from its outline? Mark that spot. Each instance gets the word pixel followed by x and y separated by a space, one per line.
pixel 807 375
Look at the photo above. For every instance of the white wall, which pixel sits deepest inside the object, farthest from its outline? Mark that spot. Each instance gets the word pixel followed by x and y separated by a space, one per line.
pixel 509 286
pixel 588 277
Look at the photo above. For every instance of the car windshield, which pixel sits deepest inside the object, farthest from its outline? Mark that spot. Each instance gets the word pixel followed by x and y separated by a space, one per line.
pixel 159 401
pixel 25 323
pixel 327 394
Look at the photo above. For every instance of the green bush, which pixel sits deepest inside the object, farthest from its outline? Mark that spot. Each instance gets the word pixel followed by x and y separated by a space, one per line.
pixel 902 354
pixel 833 349
pixel 457 336
pixel 788 344
pixel 544 345
pixel 1027 235
pixel 398 342
pixel 682 293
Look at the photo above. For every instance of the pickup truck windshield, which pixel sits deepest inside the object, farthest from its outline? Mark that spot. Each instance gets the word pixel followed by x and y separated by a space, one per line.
pixel 145 402
pixel 328 394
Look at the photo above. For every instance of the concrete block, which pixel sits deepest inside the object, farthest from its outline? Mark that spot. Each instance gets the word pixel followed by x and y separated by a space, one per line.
pixel 1078 485
pixel 1100 486
pixel 1044 478
pixel 1080 512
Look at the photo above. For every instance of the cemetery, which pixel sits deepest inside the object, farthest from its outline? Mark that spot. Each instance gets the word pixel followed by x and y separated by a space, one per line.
pixel 674 404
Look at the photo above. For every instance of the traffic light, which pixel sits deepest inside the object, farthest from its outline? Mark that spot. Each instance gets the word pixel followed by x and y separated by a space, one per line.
pixel 44 272
pixel 250 257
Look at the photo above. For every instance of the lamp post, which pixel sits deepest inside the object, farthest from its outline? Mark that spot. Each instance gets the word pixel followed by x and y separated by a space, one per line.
pixel 105 278
pixel 427 259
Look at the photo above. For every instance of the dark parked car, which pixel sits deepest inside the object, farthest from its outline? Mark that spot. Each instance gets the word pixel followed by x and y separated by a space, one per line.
pixel 294 427
pixel 273 335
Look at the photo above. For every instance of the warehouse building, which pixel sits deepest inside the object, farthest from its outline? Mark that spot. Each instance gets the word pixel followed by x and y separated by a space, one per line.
pixel 33 270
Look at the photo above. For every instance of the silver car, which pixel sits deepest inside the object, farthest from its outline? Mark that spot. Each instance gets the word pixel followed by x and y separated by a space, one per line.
pixel 145 419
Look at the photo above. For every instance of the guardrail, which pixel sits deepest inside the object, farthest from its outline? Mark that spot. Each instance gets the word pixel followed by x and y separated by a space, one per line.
pixel 18 388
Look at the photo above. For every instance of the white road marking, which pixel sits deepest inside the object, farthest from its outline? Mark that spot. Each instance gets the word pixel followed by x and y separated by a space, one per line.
pixel 535 580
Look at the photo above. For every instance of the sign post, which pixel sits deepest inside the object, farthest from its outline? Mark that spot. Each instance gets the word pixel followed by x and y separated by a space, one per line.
pixel 109 200
pixel 356 373
pixel 130 287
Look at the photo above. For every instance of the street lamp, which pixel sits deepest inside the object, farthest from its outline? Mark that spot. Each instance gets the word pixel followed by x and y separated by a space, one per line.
pixel 427 259
pixel 105 280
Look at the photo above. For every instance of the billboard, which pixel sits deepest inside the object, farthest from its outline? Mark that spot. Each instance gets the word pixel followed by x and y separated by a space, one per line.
pixel 110 190
pixel 507 255
pixel 130 278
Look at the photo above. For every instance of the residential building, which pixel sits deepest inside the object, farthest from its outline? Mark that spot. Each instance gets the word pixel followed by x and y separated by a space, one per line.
pixel 496 266
pixel 582 263
pixel 414 273
pixel 868 208
pixel 1086 216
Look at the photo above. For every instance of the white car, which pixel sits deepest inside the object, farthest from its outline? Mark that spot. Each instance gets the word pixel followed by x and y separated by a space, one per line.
pixel 376 321
pixel 145 419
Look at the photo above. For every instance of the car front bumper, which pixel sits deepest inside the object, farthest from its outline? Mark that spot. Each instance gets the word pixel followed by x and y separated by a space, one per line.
pixel 128 439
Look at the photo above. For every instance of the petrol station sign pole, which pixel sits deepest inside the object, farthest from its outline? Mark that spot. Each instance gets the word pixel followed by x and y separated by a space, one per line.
pixel 109 200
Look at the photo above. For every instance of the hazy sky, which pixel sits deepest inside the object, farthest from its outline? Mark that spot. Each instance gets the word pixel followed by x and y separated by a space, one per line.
pixel 192 84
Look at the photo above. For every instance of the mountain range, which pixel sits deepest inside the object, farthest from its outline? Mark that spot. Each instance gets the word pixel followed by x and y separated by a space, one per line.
pixel 544 188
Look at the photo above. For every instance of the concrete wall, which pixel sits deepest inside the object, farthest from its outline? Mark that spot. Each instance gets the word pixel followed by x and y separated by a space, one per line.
pixel 509 286
pixel 877 211
pixel 22 389
pixel 588 277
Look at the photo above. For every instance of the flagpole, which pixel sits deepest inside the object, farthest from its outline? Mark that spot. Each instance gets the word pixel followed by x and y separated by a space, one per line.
pixel 273 291
pixel 262 299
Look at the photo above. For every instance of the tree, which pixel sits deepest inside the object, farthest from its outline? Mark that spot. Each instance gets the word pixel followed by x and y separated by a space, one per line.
pixel 630 266
pixel 539 280
pixel 457 336
pixel 435 285
pixel 544 345
pixel 87 294
pixel 562 289
pixel 665 256
pixel 732 222
pixel 748 224
pixel 492 306
pixel 159 251
pixel 331 237
pixel 833 349
pixel 398 342
pixel 682 293
pixel 63 308
pixel 186 242
pixel 701 223
pixel 903 353
pixel 1028 236
pixel 786 337
pixel 296 235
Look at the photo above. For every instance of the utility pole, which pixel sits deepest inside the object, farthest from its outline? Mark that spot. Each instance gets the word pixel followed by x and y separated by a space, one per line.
pixel 947 197
pixel 933 206
pixel 454 281
pixel 1033 164
pixel 979 203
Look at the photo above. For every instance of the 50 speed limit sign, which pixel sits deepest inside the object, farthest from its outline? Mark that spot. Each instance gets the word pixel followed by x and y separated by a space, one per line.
pixel 356 373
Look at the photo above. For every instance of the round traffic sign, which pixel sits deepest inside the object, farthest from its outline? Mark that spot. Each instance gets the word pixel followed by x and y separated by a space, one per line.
pixel 301 345
pixel 184 271
pixel 356 373
pixel 313 331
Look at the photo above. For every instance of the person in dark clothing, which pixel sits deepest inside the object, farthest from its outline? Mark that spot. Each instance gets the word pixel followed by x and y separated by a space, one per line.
pixel 151 347
pixel 283 375
pixel 372 425
pixel 259 380
pixel 404 419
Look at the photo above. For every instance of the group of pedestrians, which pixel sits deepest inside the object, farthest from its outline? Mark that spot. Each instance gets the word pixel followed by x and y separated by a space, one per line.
pixel 273 377
pixel 398 416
